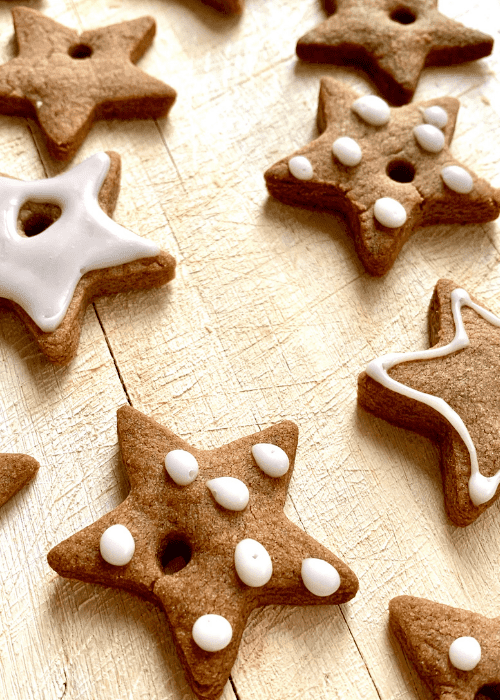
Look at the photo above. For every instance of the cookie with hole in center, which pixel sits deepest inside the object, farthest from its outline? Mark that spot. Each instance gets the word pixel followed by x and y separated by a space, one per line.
pixel 388 170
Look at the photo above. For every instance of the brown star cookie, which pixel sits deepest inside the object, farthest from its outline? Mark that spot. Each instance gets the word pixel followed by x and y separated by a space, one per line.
pixel 66 80
pixel 185 536
pixel 392 182
pixel 455 652
pixel 61 257
pixel 229 7
pixel 392 42
pixel 450 394
pixel 15 472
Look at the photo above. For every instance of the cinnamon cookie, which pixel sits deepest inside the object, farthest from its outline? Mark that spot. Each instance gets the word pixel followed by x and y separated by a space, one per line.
pixel 15 472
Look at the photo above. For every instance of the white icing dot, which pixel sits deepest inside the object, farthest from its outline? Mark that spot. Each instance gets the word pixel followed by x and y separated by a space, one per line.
pixel 457 179
pixel 181 466
pixel 253 563
pixel 229 492
pixel 271 459
pixel 320 577
pixel 436 116
pixel 465 653
pixel 117 546
pixel 347 150
pixel 301 168
pixel 372 109
pixel 212 632
pixel 429 137
pixel 389 212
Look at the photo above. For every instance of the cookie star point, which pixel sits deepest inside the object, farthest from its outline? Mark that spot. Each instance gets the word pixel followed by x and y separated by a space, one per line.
pixel 16 470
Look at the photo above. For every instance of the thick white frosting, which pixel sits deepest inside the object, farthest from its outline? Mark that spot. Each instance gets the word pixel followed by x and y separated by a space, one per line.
pixel 229 492
pixel 40 273
pixel 481 488
pixel 181 466
pixel 465 653
pixel 253 563
pixel 212 632
pixel 117 545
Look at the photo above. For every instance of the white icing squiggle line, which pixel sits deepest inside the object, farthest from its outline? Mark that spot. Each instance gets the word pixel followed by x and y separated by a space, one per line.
pixel 481 488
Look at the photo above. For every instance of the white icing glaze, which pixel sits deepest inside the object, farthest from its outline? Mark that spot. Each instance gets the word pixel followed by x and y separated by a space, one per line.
pixel 429 137
pixel 212 632
pixel 301 168
pixel 437 116
pixel 271 459
pixel 481 488
pixel 372 109
pixel 389 212
pixel 40 273
pixel 465 653
pixel 347 150
pixel 457 179
pixel 253 563
pixel 181 466
pixel 229 492
pixel 117 546
pixel 320 577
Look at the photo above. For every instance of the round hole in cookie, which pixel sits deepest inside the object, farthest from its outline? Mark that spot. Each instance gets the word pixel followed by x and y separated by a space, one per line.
pixel 174 555
pixel 34 218
pixel 80 51
pixel 401 171
pixel 403 15
pixel 489 691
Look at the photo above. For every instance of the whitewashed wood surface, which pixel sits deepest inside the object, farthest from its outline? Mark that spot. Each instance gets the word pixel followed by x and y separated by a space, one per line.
pixel 271 316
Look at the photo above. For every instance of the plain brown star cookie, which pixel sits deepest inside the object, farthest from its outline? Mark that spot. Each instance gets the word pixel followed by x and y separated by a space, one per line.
pixel 455 652
pixel 15 472
pixel 208 541
pixel 392 42
pixel 388 164
pixel 66 80
pixel 450 394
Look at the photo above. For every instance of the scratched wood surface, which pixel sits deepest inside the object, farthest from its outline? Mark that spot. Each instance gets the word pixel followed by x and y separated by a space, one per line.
pixel 271 316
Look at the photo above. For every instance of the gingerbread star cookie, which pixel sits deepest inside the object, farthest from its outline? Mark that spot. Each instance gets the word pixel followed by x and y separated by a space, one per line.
pixel 450 394
pixel 392 42
pixel 16 471
pixel 388 170
pixel 66 80
pixel 455 652
pixel 60 249
pixel 203 535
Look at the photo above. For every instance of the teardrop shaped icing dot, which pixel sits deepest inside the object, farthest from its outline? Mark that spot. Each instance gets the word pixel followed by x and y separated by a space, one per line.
pixel 181 466
pixel 465 653
pixel 457 179
pixel 271 459
pixel 437 116
pixel 372 109
pixel 429 137
pixel 212 632
pixel 229 492
pixel 320 577
pixel 301 168
pixel 117 546
pixel 253 563
pixel 389 212
pixel 347 150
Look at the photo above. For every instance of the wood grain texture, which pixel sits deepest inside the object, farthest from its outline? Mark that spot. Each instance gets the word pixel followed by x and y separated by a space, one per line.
pixel 271 317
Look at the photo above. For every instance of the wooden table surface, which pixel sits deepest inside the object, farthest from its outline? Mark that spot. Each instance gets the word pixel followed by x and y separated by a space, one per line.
pixel 271 316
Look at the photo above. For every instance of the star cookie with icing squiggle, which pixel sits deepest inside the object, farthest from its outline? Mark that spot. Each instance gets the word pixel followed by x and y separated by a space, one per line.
pixel 60 249
pixel 387 170
pixel 392 41
pixel 67 80
pixel 455 652
pixel 449 393
pixel 16 470
pixel 206 540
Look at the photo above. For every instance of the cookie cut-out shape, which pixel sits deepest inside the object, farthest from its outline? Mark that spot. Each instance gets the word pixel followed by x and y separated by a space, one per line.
pixel 450 394
pixel 67 80
pixel 49 276
pixel 160 516
pixel 426 631
pixel 394 166
pixel 392 42
pixel 16 471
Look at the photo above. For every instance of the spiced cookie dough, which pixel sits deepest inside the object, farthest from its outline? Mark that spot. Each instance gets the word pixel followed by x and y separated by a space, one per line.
pixel 61 256
pixel 392 42
pixel 66 80
pixel 387 170
pixel 456 653
pixel 203 535
pixel 450 394
pixel 16 471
